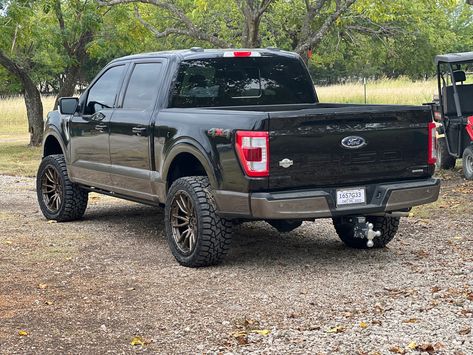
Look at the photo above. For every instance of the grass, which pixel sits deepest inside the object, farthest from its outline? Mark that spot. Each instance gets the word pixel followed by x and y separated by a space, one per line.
pixel 13 119
pixel 398 92
pixel 17 159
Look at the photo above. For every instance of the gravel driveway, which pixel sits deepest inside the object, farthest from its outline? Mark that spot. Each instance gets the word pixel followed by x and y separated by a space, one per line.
pixel 109 284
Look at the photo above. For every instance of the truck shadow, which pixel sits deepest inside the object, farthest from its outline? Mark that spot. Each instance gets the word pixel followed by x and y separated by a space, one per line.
pixel 314 243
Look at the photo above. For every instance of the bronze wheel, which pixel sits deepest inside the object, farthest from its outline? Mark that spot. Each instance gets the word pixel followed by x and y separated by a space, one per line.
pixel 52 189
pixel 184 222
pixel 196 234
pixel 59 198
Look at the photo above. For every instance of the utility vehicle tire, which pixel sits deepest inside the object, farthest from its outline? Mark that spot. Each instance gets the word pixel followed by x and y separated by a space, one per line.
pixel 386 225
pixel 283 225
pixel 468 163
pixel 196 234
pixel 58 197
pixel 444 159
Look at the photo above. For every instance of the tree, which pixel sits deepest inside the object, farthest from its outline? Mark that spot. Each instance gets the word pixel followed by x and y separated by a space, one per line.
pixel 17 49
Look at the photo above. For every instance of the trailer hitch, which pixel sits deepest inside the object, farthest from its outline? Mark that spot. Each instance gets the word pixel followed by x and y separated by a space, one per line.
pixel 363 229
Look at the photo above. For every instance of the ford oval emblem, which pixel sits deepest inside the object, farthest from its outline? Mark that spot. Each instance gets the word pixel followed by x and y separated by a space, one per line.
pixel 353 142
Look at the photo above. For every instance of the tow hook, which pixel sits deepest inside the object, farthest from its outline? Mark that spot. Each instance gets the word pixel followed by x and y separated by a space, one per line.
pixel 364 229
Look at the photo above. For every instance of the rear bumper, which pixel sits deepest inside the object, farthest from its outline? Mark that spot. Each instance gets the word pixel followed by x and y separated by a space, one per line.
pixel 320 203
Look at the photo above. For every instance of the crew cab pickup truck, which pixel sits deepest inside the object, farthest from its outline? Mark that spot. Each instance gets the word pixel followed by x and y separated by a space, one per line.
pixel 221 137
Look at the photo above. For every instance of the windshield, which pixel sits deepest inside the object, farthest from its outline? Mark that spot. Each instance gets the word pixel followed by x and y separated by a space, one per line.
pixel 242 81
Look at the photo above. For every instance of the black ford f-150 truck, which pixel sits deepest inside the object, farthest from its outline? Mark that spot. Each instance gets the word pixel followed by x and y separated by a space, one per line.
pixel 224 136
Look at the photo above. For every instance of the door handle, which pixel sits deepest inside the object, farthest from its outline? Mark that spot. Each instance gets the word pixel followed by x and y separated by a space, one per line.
pixel 138 130
pixel 100 127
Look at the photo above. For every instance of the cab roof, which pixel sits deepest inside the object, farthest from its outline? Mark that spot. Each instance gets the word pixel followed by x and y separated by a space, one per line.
pixel 454 58
pixel 200 53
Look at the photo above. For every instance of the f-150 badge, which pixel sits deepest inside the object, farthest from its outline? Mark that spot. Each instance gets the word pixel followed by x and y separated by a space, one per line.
pixel 286 163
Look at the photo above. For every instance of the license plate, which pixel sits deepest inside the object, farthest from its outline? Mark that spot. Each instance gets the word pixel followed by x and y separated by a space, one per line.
pixel 351 196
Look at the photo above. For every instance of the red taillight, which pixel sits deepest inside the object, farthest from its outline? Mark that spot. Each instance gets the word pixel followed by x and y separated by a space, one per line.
pixel 469 127
pixel 432 159
pixel 253 151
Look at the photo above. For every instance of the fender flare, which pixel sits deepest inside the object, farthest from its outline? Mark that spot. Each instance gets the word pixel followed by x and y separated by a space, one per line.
pixel 53 132
pixel 193 148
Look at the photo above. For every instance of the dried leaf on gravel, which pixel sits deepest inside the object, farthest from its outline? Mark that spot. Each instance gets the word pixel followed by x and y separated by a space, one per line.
pixel 363 325
pixel 412 345
pixel 22 333
pixel 465 331
pixel 137 341
pixel 263 332
pixel 411 320
pixel 429 348
pixel 397 350
pixel 42 286
pixel 335 330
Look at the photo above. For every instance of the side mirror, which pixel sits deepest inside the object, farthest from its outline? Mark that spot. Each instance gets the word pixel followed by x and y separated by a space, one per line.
pixel 68 105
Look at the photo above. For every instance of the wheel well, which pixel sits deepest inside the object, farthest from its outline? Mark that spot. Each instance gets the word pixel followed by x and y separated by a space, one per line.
pixel 52 146
pixel 184 164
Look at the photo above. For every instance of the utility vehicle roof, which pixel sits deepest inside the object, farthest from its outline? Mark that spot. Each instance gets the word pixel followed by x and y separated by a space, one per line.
pixel 454 58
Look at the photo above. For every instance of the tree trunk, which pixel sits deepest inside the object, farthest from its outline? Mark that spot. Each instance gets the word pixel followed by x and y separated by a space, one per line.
pixel 68 86
pixel 34 106
pixel 34 112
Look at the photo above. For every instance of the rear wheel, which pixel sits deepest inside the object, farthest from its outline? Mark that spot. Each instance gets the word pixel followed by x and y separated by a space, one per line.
pixel 468 163
pixel 444 159
pixel 58 197
pixel 388 227
pixel 196 234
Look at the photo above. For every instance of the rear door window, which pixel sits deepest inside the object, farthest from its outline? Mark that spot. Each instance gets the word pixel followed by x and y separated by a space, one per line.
pixel 241 81
pixel 143 86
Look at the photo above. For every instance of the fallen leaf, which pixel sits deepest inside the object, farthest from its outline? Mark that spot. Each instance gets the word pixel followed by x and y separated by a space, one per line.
pixel 52 221
pixel 137 341
pixel 412 345
pixel 22 333
pixel 397 350
pixel 130 289
pixel 376 322
pixel 411 320
pixel 363 325
pixel 435 289
pixel 49 303
pixel 465 331
pixel 42 286
pixel 426 347
pixel 9 242
pixel 335 330
pixel 239 334
pixel 261 331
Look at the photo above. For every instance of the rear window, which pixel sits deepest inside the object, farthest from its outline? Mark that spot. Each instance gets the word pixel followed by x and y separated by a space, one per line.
pixel 241 81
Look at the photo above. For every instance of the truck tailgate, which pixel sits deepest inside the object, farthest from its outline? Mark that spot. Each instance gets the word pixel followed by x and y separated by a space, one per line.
pixel 389 143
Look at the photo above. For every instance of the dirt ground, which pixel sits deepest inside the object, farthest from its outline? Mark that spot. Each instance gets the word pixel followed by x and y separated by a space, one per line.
pixel 109 284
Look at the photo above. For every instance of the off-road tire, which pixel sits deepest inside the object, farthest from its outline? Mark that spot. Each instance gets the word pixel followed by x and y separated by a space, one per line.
pixel 74 199
pixel 386 225
pixel 468 163
pixel 213 233
pixel 444 159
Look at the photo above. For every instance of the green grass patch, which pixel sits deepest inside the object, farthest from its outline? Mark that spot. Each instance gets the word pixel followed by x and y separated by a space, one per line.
pixel 18 159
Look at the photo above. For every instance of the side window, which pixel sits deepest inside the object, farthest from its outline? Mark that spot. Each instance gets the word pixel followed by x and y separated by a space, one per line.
pixel 143 86
pixel 102 94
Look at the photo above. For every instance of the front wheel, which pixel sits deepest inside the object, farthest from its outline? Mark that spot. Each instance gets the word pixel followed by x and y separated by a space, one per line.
pixel 468 163
pixel 58 197
pixel 196 234
pixel 388 227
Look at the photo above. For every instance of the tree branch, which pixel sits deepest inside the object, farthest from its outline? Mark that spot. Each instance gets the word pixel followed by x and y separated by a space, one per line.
pixel 190 29
pixel 315 38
